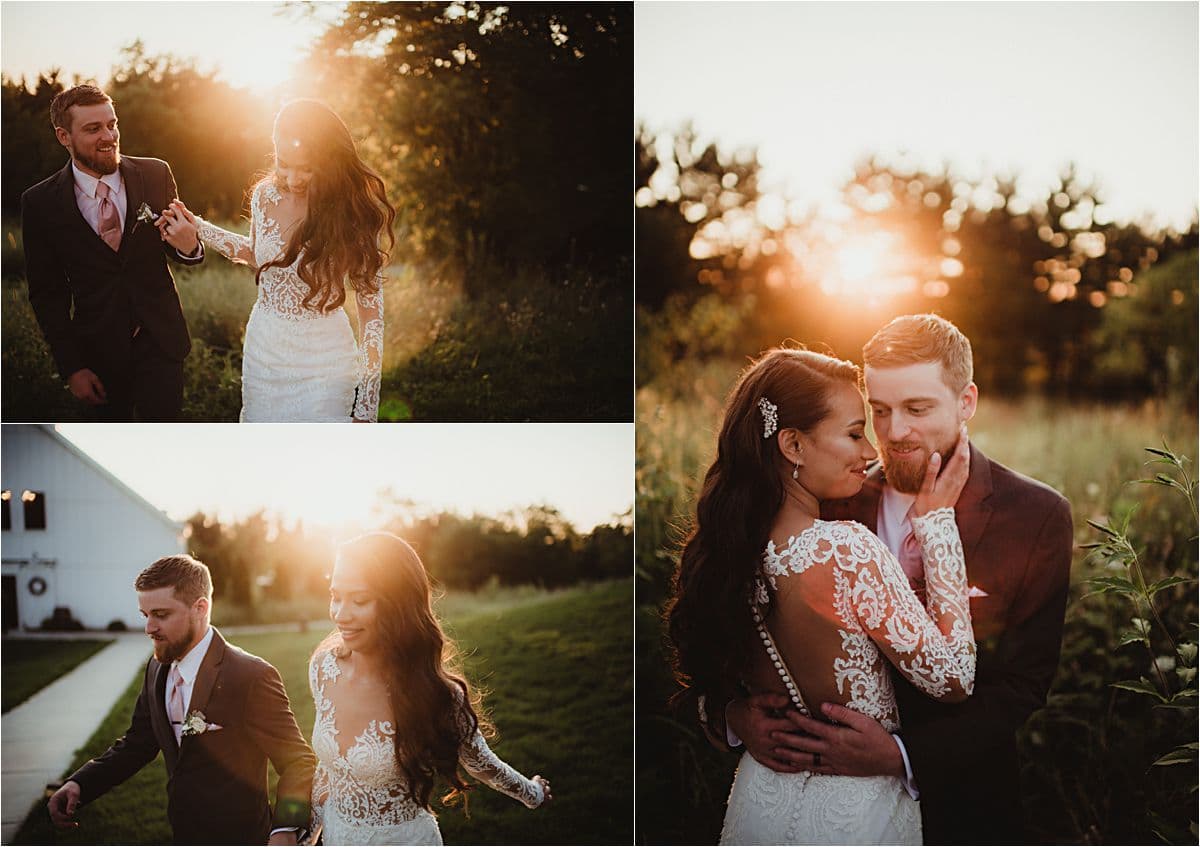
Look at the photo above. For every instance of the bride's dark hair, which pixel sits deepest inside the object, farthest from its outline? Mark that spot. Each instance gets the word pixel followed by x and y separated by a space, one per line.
pixel 708 618
pixel 434 711
pixel 348 209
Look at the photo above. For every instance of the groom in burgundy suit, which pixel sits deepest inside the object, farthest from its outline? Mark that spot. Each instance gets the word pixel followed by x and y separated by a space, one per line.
pixel 97 273
pixel 959 759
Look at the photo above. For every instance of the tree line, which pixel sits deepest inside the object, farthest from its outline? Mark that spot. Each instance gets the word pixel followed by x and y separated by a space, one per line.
pixel 258 558
pixel 1055 296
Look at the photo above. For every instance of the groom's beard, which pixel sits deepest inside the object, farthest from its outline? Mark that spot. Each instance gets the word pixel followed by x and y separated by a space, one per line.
pixel 101 163
pixel 905 473
pixel 169 651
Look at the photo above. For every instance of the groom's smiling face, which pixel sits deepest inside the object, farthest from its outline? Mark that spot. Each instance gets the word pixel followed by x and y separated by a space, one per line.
pixel 173 626
pixel 93 139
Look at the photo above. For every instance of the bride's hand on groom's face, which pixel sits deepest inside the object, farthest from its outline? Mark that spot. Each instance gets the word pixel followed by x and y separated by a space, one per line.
pixel 178 227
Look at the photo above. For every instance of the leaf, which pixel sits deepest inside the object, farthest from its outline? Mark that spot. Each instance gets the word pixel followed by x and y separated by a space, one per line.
pixel 1140 686
pixel 1107 530
pixel 1110 584
pixel 1168 583
pixel 1166 454
pixel 1180 755
pixel 1131 637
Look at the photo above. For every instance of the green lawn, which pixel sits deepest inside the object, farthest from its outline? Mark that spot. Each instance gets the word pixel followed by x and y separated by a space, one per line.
pixel 560 681
pixel 30 665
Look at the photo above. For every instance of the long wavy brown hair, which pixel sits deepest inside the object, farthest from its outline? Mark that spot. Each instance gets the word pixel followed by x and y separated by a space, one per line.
pixel 708 618
pixel 434 710
pixel 348 210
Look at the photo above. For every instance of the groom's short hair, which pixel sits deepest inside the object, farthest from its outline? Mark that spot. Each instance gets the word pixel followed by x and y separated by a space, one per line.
pixel 78 95
pixel 189 577
pixel 912 339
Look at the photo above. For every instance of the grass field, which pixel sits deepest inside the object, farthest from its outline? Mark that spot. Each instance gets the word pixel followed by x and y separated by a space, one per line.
pixel 1086 759
pixel 447 356
pixel 559 686
pixel 30 665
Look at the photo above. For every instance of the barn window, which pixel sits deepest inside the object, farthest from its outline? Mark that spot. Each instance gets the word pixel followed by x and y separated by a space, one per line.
pixel 35 509
pixel 6 498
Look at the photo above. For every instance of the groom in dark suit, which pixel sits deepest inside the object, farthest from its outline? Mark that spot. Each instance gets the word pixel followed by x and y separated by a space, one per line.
pixel 217 713
pixel 960 759
pixel 97 271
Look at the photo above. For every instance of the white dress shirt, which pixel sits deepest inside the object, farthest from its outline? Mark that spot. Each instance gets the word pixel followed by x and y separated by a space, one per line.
pixel 189 667
pixel 89 203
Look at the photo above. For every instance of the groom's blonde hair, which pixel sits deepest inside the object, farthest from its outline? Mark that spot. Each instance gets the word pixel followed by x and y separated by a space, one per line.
pixel 78 95
pixel 189 577
pixel 912 339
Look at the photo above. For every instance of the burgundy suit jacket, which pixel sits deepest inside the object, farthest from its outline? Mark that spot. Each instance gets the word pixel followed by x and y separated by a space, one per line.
pixel 1017 541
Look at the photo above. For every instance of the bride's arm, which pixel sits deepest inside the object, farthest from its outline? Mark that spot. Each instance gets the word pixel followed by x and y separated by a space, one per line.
pixel 234 246
pixel 933 646
pixel 370 355
pixel 480 762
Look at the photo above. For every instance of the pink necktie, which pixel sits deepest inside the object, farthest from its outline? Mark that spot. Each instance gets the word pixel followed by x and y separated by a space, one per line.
pixel 910 559
pixel 175 701
pixel 110 221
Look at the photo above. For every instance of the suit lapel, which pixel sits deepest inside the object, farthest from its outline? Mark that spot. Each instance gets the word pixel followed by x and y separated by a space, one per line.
pixel 972 511
pixel 135 193
pixel 158 716
pixel 207 677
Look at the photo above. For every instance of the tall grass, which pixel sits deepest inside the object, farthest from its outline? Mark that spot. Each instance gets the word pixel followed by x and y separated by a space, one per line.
pixel 1086 758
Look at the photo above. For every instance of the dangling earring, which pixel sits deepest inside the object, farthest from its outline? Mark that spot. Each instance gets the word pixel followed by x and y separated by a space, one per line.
pixel 796 470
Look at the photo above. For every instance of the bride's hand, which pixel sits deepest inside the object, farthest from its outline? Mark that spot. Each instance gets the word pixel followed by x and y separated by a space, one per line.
pixel 545 783
pixel 940 491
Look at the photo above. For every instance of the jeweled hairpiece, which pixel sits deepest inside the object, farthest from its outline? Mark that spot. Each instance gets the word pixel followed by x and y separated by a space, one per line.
pixel 770 413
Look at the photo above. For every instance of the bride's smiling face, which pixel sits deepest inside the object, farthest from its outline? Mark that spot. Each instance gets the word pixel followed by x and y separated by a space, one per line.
pixel 836 451
pixel 294 165
pixel 353 606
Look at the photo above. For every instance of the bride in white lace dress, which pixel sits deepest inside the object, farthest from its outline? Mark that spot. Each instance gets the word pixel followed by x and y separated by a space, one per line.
pixel 391 717
pixel 770 594
pixel 315 227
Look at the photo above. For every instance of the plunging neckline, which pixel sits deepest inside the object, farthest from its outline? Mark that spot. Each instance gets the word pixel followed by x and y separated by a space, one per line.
pixel 374 732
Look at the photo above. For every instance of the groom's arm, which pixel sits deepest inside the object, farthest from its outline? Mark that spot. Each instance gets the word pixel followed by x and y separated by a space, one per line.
pixel 175 255
pixel 273 728
pixel 49 290
pixel 128 754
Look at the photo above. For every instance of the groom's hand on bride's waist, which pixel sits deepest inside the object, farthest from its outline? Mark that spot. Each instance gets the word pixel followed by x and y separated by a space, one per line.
pixel 758 721
pixel 852 745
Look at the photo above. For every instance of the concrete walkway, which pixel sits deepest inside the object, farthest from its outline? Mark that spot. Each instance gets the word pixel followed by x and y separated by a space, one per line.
pixel 41 736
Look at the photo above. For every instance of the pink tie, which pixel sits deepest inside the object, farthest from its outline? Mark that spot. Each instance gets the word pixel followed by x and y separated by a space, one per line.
pixel 910 559
pixel 175 701
pixel 110 221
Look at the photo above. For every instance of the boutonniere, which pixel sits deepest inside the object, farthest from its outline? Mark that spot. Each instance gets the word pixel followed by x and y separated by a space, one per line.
pixel 145 214
pixel 196 724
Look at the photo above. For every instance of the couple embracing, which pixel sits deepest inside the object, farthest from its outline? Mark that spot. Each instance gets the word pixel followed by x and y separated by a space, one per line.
pixel 393 716
pixel 97 236
pixel 874 635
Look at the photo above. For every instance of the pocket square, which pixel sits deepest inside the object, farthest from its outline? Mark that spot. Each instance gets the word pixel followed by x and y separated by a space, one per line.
pixel 974 591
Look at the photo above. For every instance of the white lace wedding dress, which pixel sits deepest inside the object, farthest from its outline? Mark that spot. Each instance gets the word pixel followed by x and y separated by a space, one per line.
pixel 843 609
pixel 357 794
pixel 298 363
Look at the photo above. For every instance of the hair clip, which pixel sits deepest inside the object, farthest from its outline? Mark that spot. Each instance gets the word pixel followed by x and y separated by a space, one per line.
pixel 770 413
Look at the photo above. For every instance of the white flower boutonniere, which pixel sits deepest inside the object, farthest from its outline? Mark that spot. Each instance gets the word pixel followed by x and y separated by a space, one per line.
pixel 145 214
pixel 196 724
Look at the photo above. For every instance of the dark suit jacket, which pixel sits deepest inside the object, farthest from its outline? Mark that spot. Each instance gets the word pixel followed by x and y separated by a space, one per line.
pixel 217 781
pixel 88 299
pixel 1017 540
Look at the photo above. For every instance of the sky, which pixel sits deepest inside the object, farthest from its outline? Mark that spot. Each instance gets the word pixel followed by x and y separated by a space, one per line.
pixel 328 475
pixel 1025 87
pixel 248 44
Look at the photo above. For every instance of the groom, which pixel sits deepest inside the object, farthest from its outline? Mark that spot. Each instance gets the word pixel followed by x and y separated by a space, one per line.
pixel 959 758
pixel 217 714
pixel 98 278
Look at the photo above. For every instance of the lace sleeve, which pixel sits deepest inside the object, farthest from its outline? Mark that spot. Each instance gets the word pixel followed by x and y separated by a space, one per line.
pixel 934 646
pixel 320 786
pixel 234 246
pixel 480 762
pixel 370 354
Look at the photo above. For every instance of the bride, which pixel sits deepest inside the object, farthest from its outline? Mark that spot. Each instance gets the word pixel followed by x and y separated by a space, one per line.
pixel 768 593
pixel 391 715
pixel 315 226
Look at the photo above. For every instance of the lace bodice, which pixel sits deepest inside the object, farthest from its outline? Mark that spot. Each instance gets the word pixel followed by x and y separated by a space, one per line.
pixel 363 783
pixel 843 606
pixel 282 291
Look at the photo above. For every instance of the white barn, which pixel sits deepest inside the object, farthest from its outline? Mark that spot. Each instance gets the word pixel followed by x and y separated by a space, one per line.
pixel 74 535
